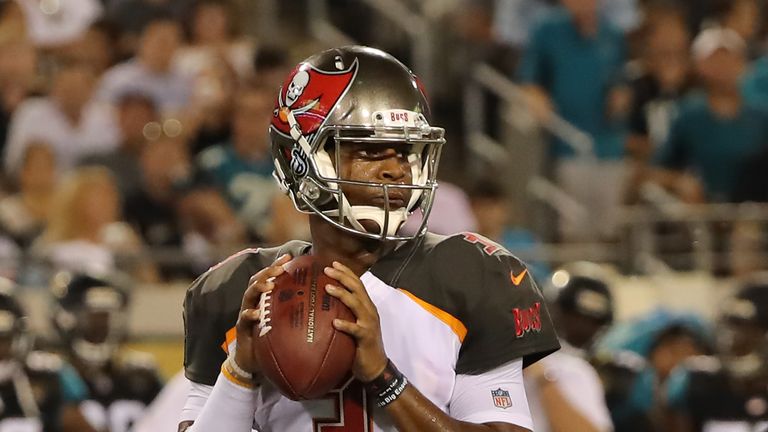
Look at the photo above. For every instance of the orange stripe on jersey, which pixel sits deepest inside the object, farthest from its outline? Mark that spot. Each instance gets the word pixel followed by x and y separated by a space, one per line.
pixel 457 326
pixel 230 337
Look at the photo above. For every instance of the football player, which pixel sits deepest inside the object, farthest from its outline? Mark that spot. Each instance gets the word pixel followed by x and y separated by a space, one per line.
pixel 564 390
pixel 727 392
pixel 37 392
pixel 444 325
pixel 89 316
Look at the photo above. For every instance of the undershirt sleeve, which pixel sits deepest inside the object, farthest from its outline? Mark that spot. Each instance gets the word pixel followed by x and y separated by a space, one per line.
pixel 497 395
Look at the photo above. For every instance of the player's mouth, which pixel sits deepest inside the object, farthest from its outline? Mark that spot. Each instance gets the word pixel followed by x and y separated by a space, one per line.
pixel 396 200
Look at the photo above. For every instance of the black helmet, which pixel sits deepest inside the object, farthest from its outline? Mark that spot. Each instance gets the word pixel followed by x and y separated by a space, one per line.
pixel 359 95
pixel 582 288
pixel 743 336
pixel 89 315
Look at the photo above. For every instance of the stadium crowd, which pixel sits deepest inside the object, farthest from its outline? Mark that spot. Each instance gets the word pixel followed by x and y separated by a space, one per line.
pixel 134 150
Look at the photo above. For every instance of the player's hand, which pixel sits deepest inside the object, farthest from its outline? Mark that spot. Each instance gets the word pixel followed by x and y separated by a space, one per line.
pixel 370 358
pixel 259 283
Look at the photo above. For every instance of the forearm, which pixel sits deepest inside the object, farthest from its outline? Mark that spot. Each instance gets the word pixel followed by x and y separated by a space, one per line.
pixel 412 412
pixel 229 408
pixel 562 416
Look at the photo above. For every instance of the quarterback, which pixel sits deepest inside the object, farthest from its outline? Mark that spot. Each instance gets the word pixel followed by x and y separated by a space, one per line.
pixel 444 325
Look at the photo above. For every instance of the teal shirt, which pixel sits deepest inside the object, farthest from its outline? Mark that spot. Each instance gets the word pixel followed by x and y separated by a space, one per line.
pixel 714 147
pixel 755 83
pixel 578 73
pixel 247 184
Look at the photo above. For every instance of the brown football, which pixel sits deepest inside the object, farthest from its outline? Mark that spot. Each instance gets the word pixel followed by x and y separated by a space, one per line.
pixel 295 343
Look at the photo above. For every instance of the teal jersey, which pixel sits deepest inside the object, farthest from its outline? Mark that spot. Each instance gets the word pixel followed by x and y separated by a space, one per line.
pixel 578 73
pixel 714 147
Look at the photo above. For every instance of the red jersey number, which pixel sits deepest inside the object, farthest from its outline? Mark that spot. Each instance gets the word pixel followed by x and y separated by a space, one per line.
pixel 353 412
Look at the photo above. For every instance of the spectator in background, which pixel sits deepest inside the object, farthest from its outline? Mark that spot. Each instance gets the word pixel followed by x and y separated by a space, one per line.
pixel 211 228
pixel 18 79
pixel 716 132
pixel 241 170
pixel 85 232
pixel 573 67
pixel 492 208
pixel 137 118
pixel 564 391
pixel 662 80
pixel 54 24
pixel 152 208
pixel 270 65
pixel 514 19
pixel 214 38
pixel 24 215
pixel 741 16
pixel 68 119
pixel 131 17
pixel 151 71
pixel 95 48
pixel 208 117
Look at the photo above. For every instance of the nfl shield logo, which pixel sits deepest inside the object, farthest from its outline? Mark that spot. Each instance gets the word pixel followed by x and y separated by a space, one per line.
pixel 501 398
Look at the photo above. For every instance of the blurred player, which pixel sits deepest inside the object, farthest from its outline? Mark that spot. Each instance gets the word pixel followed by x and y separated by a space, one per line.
pixel 459 316
pixel 564 390
pixel 37 392
pixel 728 393
pixel 89 316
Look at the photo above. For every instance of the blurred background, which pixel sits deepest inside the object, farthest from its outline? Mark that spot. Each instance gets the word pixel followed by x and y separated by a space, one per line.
pixel 629 137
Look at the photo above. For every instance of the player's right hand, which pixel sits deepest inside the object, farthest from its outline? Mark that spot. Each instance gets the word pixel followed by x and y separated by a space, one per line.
pixel 259 283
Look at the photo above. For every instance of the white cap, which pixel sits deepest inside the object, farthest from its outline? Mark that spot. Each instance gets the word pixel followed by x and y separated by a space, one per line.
pixel 712 39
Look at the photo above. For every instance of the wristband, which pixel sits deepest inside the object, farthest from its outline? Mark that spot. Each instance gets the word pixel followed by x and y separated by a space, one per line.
pixel 233 372
pixel 388 386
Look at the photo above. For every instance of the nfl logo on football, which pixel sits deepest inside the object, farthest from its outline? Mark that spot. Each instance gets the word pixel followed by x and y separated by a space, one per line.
pixel 501 398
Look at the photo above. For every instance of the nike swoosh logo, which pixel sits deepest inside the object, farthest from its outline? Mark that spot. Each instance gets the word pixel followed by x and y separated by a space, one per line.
pixel 519 278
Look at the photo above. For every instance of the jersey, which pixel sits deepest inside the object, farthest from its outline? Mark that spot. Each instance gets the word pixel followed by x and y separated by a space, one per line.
pixel 32 399
pixel 703 390
pixel 448 306
pixel 119 395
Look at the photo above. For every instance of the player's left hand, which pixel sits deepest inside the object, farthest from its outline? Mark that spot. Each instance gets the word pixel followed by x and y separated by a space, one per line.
pixel 370 358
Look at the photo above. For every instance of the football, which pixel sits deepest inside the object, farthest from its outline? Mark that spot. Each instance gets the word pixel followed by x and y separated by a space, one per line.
pixel 295 343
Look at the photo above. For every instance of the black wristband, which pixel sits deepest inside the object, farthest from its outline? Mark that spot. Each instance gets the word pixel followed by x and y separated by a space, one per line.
pixel 388 386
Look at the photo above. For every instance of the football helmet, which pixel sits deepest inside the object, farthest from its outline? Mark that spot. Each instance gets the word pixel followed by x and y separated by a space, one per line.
pixel 353 95
pixel 14 337
pixel 90 315
pixel 743 334
pixel 582 287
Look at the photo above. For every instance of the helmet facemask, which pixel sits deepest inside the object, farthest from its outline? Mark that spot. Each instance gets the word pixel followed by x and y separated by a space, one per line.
pixel 95 329
pixel 315 184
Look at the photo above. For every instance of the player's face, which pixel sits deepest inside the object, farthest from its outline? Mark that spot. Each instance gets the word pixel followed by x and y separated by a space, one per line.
pixel 95 326
pixel 377 163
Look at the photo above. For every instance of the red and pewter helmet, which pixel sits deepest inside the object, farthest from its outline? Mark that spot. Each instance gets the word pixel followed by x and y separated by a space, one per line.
pixel 357 95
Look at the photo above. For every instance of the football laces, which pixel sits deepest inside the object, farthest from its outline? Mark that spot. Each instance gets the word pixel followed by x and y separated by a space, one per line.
pixel 265 301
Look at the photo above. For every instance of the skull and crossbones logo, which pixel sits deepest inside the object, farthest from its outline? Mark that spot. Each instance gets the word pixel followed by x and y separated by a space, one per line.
pixel 294 91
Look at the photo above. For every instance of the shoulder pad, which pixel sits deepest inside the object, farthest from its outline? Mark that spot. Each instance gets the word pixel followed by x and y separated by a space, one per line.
pixel 43 361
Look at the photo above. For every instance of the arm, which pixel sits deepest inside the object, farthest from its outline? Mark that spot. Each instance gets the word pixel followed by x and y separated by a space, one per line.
pixel 410 410
pixel 564 415
pixel 231 402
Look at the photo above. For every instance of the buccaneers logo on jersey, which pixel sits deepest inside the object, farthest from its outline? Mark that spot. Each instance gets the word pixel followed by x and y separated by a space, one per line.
pixel 310 94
